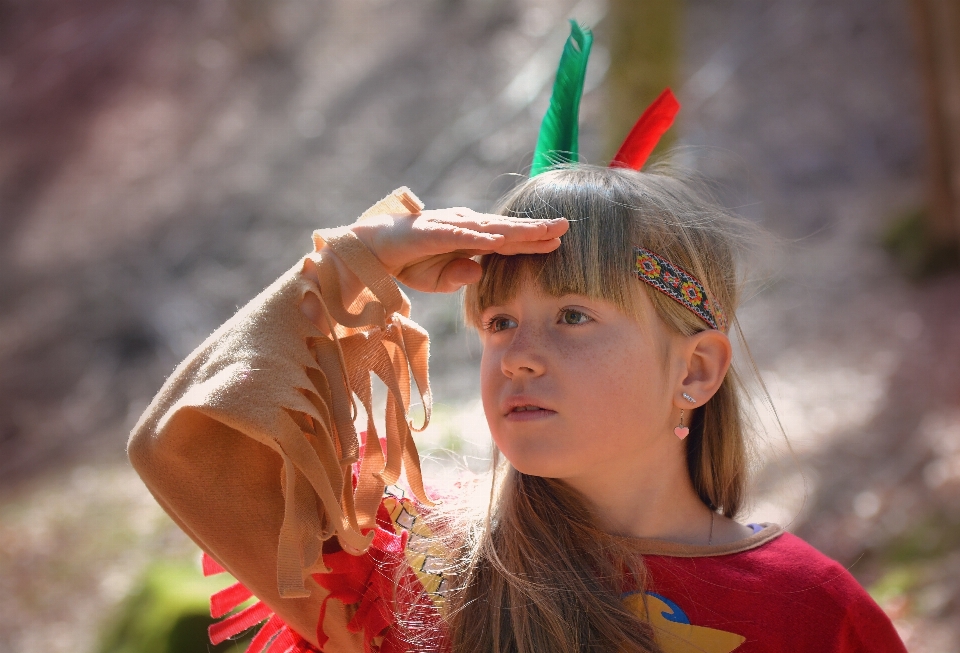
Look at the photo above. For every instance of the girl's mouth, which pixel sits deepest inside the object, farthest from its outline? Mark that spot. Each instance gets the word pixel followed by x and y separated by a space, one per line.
pixel 527 413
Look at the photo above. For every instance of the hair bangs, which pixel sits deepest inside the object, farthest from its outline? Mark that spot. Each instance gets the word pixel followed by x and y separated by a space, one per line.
pixel 595 258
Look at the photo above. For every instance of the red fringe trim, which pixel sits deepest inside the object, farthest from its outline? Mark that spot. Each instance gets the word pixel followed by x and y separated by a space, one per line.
pixel 376 582
pixel 373 582
pixel 265 634
pixel 275 633
pixel 239 622
pixel 227 599
pixel 211 567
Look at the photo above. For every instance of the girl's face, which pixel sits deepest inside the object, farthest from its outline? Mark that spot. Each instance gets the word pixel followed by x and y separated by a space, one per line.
pixel 572 387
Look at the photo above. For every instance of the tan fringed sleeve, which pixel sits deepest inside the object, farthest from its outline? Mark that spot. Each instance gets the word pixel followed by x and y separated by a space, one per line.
pixel 249 444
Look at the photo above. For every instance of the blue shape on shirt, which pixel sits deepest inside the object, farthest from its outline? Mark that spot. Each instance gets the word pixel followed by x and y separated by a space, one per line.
pixel 677 615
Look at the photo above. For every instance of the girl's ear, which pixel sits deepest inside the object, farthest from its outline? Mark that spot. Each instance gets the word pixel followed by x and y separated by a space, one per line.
pixel 707 356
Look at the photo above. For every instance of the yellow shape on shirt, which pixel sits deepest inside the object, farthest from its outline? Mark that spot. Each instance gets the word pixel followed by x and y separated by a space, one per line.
pixel 674 634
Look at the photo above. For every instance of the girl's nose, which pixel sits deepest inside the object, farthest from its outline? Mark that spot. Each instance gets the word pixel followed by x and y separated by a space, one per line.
pixel 524 354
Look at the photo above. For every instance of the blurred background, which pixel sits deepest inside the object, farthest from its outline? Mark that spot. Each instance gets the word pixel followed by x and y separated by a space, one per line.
pixel 163 161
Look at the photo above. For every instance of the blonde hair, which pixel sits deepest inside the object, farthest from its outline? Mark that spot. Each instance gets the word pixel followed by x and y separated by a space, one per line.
pixel 538 574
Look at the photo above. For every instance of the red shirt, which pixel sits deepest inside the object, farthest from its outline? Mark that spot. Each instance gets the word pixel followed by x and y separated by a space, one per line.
pixel 782 595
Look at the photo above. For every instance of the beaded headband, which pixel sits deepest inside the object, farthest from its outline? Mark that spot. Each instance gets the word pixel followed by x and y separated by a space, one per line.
pixel 680 286
pixel 557 144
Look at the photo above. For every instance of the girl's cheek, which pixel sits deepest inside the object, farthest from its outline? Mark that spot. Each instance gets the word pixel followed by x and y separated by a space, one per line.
pixel 491 377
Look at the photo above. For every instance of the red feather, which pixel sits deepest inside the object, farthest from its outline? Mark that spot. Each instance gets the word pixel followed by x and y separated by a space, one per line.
pixel 646 133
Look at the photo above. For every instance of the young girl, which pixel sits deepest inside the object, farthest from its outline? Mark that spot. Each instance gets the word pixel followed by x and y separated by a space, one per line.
pixel 604 298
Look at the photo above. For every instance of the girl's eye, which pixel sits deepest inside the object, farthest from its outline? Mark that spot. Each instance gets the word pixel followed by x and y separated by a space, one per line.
pixel 499 323
pixel 571 316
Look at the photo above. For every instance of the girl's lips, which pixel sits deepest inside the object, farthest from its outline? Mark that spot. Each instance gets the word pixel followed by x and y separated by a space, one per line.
pixel 529 415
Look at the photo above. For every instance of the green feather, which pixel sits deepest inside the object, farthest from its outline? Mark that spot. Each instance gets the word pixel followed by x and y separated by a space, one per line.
pixel 559 130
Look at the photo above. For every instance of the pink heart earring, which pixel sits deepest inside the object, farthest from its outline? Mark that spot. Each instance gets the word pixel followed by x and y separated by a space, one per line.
pixel 681 431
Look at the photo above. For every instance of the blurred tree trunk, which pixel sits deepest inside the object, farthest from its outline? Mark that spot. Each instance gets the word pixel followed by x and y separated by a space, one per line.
pixel 254 27
pixel 644 37
pixel 937 23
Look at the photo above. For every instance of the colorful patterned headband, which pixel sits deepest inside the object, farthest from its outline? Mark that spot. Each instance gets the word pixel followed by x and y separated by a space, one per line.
pixel 680 286
pixel 557 144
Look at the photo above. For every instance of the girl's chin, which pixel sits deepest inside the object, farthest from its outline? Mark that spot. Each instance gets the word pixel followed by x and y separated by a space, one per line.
pixel 541 468
pixel 537 460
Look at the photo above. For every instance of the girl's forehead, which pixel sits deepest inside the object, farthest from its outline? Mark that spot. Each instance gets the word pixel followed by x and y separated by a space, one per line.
pixel 529 288
pixel 528 285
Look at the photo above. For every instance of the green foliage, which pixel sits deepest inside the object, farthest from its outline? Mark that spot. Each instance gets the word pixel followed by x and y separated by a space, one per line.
pixel 934 538
pixel 919 253
pixel 913 565
pixel 559 131
pixel 895 583
pixel 168 612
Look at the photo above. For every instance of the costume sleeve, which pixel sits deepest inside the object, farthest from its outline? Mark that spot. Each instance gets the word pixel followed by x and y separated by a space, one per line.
pixel 250 444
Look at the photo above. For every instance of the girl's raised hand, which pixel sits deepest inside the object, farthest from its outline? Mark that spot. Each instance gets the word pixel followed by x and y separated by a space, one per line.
pixel 431 251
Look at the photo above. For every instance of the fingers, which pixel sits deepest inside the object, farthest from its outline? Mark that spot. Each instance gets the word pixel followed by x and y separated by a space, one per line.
pixel 514 229
pixel 457 273
pixel 529 247
pixel 445 237
pixel 509 249
pixel 482 233
pixel 414 247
